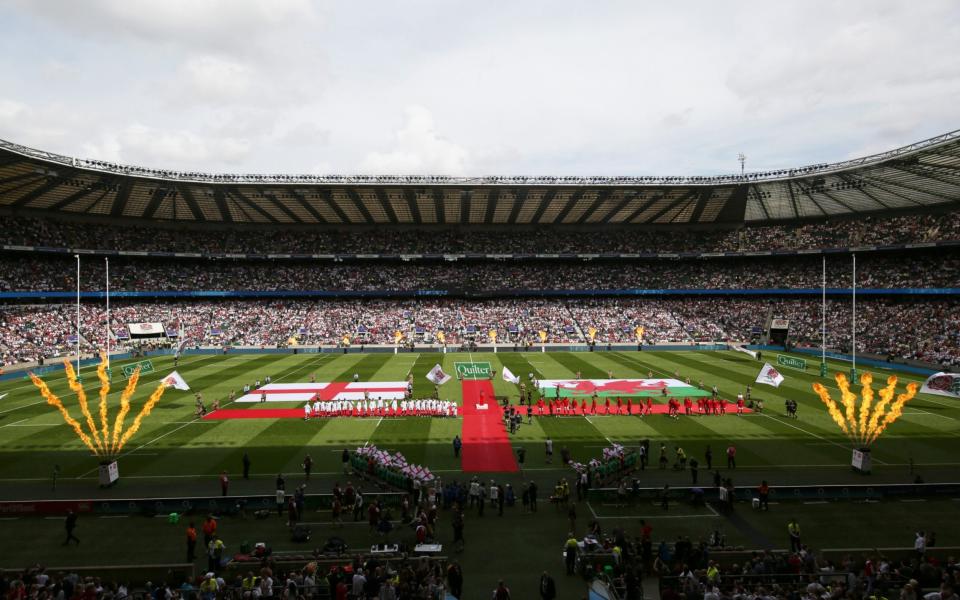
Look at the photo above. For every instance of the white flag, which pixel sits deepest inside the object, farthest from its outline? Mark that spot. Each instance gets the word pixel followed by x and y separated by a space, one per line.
pixel 942 384
pixel 740 348
pixel 175 380
pixel 437 376
pixel 510 377
pixel 769 376
pixel 2 396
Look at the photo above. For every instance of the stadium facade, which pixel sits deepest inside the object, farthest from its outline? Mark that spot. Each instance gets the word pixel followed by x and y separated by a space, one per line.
pixel 922 175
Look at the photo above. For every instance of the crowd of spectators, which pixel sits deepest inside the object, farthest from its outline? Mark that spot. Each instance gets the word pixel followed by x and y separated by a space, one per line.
pixel 805 575
pixel 926 269
pixel 927 330
pixel 837 232
pixel 358 577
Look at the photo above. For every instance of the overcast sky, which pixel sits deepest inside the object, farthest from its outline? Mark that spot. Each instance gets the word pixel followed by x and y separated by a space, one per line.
pixel 479 87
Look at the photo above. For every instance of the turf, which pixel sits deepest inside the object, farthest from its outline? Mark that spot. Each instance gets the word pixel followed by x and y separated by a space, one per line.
pixel 172 443
pixel 175 454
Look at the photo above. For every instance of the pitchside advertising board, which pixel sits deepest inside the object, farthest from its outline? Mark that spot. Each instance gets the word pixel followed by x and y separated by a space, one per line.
pixel 791 362
pixel 145 367
pixel 473 370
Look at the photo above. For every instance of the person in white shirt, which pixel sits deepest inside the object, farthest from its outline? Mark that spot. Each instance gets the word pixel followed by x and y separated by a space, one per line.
pixel 306 411
pixel 359 581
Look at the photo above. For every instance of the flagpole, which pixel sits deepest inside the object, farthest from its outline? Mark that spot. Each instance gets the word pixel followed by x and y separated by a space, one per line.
pixel 106 260
pixel 853 370
pixel 823 325
pixel 77 256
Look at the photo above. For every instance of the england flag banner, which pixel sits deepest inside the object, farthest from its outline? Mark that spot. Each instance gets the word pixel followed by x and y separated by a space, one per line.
pixel 327 391
pixel 942 384
pixel 769 376
pixel 437 376
pixel 509 377
pixel 176 381
pixel 147 329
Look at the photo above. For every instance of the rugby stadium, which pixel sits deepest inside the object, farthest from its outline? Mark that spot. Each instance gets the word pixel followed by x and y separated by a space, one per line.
pixel 230 385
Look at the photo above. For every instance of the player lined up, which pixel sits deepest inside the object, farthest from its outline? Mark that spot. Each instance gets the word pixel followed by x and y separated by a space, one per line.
pixel 380 408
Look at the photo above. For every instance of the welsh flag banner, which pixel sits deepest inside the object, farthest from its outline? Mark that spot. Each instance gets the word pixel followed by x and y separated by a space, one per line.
pixel 613 388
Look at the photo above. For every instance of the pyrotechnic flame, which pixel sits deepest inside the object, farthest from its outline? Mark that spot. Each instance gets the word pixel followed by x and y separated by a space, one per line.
pixel 886 395
pixel 866 392
pixel 831 407
pixel 111 443
pixel 77 388
pixel 895 410
pixel 104 390
pixel 873 417
pixel 54 401
pixel 124 408
pixel 849 400
pixel 154 398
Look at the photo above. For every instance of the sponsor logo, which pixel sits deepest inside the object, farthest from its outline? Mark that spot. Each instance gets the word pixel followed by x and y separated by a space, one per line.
pixel 145 367
pixel 791 362
pixel 473 370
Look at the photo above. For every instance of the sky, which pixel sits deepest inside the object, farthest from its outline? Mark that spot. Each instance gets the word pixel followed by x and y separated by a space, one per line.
pixel 539 87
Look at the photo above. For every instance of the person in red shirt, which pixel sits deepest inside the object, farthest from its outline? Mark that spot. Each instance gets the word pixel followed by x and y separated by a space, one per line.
pixel 191 543
pixel 687 406
pixel 674 408
pixel 649 405
pixel 740 405
pixel 646 531
pixel 209 530
pixel 722 402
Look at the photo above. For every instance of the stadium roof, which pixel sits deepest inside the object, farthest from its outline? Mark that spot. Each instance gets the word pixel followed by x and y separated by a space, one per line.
pixel 924 174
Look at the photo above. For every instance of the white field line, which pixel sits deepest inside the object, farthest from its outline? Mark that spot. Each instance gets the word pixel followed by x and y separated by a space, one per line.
pixel 598 430
pixel 818 436
pixel 23 406
pixel 415 359
pixel 924 412
pixel 713 514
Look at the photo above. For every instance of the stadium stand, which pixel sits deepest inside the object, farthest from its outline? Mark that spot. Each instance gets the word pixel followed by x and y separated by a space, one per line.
pixel 924 330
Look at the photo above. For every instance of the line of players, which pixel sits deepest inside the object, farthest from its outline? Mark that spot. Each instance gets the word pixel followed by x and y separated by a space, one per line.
pixel 378 407
pixel 709 406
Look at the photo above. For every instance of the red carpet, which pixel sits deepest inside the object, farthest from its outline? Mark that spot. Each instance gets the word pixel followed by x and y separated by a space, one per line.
pixel 486 447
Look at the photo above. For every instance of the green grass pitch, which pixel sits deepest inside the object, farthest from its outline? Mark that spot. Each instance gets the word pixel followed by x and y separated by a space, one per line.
pixel 176 455
pixel 173 445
